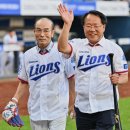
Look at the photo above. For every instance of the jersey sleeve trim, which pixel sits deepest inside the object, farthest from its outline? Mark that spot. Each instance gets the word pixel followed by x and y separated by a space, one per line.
pixel 23 81
pixel 71 76
pixel 121 72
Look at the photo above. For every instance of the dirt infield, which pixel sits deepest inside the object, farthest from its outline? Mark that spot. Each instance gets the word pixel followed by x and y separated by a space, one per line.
pixel 9 86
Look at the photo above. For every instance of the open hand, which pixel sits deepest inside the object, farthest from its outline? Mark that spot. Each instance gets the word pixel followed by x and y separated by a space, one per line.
pixel 66 15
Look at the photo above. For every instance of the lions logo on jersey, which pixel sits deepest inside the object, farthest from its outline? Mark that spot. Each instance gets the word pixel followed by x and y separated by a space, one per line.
pixel 37 71
pixel 89 62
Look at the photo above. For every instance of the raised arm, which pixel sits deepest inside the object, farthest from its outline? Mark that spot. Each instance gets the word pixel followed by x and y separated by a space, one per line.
pixel 68 17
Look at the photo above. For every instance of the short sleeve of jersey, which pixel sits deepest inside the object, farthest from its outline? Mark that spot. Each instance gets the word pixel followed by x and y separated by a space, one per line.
pixel 22 70
pixel 75 43
pixel 119 61
pixel 69 67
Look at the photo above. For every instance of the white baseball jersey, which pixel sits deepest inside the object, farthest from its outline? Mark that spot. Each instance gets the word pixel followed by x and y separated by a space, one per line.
pixel 7 56
pixel 8 39
pixel 47 78
pixel 93 85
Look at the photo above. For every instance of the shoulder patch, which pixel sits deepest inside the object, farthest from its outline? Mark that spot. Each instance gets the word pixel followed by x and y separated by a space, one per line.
pixel 125 66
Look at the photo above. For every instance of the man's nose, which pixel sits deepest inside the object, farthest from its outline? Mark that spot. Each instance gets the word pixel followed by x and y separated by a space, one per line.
pixel 42 33
pixel 92 28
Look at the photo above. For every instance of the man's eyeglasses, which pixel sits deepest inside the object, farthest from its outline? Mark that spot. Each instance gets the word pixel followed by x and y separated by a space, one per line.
pixel 45 30
pixel 93 26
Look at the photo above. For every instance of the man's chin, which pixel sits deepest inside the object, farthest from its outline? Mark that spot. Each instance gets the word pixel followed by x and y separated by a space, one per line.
pixel 93 40
pixel 43 44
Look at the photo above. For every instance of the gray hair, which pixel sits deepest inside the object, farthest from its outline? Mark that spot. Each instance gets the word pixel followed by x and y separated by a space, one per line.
pixel 42 19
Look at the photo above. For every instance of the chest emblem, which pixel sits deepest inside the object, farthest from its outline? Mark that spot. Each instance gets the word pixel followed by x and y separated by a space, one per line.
pixel 89 62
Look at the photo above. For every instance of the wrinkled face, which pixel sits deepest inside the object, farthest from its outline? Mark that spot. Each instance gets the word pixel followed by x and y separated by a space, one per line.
pixel 93 28
pixel 43 32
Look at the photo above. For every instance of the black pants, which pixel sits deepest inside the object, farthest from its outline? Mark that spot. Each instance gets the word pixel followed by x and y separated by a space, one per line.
pixel 104 120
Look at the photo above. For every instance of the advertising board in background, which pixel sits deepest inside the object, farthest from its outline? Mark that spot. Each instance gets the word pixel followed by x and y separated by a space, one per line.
pixel 113 8
pixel 10 7
pixel 39 7
pixel 80 7
pixel 49 7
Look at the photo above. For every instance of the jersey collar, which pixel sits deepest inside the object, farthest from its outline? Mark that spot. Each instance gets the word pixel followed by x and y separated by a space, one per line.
pixel 100 43
pixel 47 49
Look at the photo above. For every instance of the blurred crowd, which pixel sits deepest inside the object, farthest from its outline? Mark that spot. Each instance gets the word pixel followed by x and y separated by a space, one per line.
pixel 7 60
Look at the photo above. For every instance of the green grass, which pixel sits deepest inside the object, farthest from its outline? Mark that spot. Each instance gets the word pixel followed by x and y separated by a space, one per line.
pixel 124 106
pixel 5 126
pixel 124 112
pixel 70 124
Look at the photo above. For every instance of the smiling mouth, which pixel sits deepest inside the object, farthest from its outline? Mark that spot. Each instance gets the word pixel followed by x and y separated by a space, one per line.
pixel 92 34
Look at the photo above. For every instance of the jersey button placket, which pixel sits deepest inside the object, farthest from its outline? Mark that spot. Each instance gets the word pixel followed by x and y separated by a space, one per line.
pixel 92 86
pixel 43 89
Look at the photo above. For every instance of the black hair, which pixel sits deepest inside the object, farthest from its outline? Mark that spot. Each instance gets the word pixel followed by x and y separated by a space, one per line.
pixel 97 13
pixel 10 29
